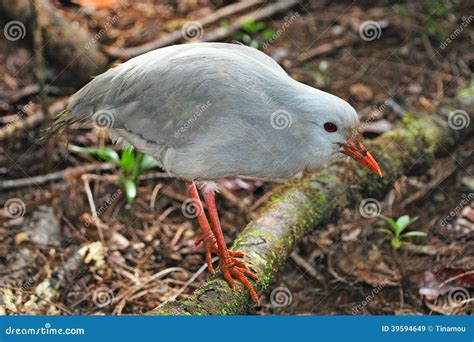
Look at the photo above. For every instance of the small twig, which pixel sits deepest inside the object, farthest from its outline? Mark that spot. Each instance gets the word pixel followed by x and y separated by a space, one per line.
pixel 90 198
pixel 132 290
pixel 154 175
pixel 261 200
pixel 169 192
pixel 335 274
pixel 154 195
pixel 306 266
pixel 448 168
pixel 432 53
pixel 325 49
pixel 30 206
pixel 229 196
pixel 58 175
pixel 455 277
pixel 27 91
pixel 431 250
pixel 189 282
pixel 178 235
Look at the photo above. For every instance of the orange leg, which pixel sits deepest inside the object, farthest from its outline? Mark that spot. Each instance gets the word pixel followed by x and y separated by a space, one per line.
pixel 229 264
pixel 207 237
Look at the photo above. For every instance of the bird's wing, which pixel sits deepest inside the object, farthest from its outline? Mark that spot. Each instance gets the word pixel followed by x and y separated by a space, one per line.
pixel 157 93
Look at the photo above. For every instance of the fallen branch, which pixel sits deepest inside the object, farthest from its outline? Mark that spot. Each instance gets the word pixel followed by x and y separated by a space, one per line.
pixel 42 179
pixel 298 207
pixel 176 36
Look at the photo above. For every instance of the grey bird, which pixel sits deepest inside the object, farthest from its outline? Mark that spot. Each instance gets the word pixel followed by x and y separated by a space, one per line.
pixel 207 111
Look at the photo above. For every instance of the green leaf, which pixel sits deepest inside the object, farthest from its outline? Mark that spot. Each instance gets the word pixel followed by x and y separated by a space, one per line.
pixel 109 154
pixel 386 231
pixel 403 222
pixel 127 160
pixel 148 163
pixel 267 34
pixel 106 154
pixel 130 190
pixel 390 221
pixel 414 233
pixel 253 27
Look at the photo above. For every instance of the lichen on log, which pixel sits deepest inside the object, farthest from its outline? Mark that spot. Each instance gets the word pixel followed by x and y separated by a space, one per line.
pixel 304 204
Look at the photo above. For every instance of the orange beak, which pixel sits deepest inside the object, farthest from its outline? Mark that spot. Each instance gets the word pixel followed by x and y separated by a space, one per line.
pixel 354 149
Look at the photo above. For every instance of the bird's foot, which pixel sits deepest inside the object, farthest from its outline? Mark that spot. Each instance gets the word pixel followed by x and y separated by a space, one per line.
pixel 231 267
pixel 210 246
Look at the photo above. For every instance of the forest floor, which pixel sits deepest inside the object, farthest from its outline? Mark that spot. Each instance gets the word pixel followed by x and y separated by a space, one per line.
pixel 57 260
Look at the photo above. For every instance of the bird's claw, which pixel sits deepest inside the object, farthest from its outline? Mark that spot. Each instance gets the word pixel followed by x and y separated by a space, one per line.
pixel 231 267
pixel 210 246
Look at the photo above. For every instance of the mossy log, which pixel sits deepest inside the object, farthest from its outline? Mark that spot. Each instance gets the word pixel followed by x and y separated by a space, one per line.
pixel 308 203
pixel 71 48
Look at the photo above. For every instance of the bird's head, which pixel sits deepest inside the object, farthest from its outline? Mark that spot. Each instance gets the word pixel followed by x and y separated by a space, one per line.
pixel 333 125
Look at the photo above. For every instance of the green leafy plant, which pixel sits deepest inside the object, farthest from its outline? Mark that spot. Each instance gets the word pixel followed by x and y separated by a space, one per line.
pixel 130 162
pixel 397 228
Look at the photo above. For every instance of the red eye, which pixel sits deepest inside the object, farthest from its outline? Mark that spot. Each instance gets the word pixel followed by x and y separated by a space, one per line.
pixel 330 127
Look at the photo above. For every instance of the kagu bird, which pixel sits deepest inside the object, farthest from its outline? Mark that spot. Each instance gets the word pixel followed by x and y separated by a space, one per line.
pixel 207 111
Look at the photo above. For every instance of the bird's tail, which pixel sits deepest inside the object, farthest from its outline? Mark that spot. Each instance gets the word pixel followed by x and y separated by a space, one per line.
pixel 60 122
pixel 58 125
